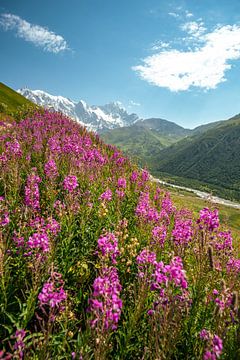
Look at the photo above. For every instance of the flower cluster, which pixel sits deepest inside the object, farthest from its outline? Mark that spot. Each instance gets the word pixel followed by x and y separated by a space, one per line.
pixel 144 209
pixel 52 293
pixel 106 196
pixel 167 274
pixel 50 169
pixel 145 175
pixel 122 183
pixel 159 234
pixel 53 226
pixel 39 241
pixel 223 241
pixel 208 219
pixel 167 204
pixel 233 265
pixel 214 345
pixel 134 176
pixel 105 303
pixel 32 195
pixel 108 246
pixel 13 148
pixel 183 230
pixel 70 183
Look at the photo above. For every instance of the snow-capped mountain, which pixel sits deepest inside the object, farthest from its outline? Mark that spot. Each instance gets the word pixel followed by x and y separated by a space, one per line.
pixel 95 118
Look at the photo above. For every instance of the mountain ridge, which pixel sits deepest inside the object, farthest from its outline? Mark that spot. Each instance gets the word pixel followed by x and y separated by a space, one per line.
pixel 95 118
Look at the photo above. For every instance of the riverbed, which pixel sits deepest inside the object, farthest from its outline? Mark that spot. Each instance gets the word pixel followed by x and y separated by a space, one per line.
pixel 201 194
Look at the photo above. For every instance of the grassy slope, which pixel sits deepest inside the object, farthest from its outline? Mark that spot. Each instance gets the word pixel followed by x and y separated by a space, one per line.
pixel 11 98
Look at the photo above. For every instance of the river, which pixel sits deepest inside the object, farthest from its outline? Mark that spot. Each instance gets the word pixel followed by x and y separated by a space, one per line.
pixel 201 194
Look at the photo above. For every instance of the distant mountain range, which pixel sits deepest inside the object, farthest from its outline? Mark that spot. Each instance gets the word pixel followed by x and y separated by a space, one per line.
pixel 95 118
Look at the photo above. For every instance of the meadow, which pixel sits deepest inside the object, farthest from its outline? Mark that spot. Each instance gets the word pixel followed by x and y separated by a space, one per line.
pixel 98 262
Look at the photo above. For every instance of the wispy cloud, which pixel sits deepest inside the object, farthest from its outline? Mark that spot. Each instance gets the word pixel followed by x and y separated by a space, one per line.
pixel 133 103
pixel 188 14
pixel 159 45
pixel 173 14
pixel 203 66
pixel 38 35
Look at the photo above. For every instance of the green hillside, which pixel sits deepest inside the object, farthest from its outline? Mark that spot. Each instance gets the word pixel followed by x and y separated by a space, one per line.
pixel 145 139
pixel 10 100
pixel 211 157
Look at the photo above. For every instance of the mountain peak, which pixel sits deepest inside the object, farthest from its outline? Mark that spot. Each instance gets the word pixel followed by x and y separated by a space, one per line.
pixel 95 118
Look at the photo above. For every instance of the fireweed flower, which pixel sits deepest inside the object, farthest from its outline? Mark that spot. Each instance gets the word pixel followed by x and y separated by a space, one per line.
pixel 223 241
pixel 134 176
pixel 19 344
pixel 122 183
pixel 233 266
pixel 145 175
pixel 108 246
pixel 214 345
pixel 52 293
pixel 145 210
pixel 208 219
pixel 120 194
pixel 167 282
pixel 13 148
pixel 4 218
pixel 159 234
pixel 183 230
pixel 167 204
pixel 146 257
pixel 107 195
pixel 167 274
pixel 70 183
pixel 50 169
pixel 145 260
pixel 204 334
pixel 19 241
pixel 39 241
pixel 105 304
pixel 32 195
pixel 53 226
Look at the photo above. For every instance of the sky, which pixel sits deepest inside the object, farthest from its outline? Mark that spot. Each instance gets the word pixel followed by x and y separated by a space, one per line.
pixel 178 60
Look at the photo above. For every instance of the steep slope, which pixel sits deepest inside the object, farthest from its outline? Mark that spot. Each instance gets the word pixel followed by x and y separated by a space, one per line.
pixel 95 118
pixel 211 157
pixel 146 138
pixel 10 100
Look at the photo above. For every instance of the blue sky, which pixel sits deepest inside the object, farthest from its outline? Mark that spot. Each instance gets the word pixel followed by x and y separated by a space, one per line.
pixel 178 60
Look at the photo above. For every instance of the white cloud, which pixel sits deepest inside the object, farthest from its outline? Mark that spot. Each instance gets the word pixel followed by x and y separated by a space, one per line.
pixel 194 28
pixel 38 35
pixel 203 67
